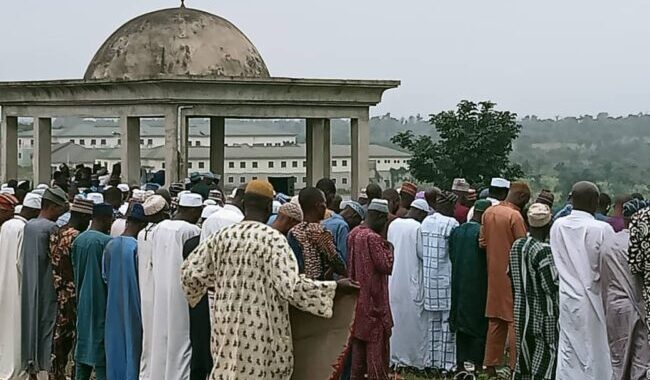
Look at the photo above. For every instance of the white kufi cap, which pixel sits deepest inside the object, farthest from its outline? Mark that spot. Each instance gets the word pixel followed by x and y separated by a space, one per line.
pixel 33 200
pixel 190 200
pixel 500 182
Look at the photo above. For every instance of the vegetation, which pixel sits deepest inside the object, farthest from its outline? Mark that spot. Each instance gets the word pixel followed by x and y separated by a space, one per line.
pixel 473 142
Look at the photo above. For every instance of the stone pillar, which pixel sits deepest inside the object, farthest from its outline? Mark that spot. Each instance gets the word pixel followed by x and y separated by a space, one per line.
pixel 171 147
pixel 217 146
pixel 360 141
pixel 8 147
pixel 130 149
pixel 183 162
pixel 42 161
pixel 319 156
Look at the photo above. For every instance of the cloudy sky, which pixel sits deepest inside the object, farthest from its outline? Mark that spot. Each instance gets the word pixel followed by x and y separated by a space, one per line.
pixel 545 57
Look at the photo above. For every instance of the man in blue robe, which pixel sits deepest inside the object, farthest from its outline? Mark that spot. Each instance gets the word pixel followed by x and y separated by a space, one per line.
pixel 123 317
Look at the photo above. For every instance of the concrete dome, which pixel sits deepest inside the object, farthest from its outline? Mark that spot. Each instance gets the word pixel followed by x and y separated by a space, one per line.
pixel 176 43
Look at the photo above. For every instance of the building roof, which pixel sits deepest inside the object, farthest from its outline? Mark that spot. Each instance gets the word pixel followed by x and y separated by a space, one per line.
pixel 69 152
pixel 176 43
pixel 98 128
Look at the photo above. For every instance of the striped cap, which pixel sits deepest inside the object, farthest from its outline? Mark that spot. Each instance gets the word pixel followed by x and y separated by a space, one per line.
pixel 8 202
pixel 82 206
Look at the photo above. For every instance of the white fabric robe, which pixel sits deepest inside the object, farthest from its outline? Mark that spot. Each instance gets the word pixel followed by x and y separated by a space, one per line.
pixel 408 342
pixel 227 216
pixel 578 242
pixel 145 280
pixel 11 241
pixel 172 351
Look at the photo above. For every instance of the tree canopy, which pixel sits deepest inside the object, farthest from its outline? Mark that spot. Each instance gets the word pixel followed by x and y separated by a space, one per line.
pixel 475 142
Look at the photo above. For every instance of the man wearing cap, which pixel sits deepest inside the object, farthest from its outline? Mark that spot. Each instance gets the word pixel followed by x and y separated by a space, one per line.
pixel 435 231
pixel 156 209
pixel 578 242
pixel 469 289
pixel 38 296
pixel 502 225
pixel 535 292
pixel 171 346
pixel 11 242
pixel 407 196
pixel 627 331
pixel 7 206
pixel 409 346
pixel 392 196
pixel 63 273
pixel 123 317
pixel 252 263
pixel 312 244
pixel 230 214
pixel 340 225
pixel 289 215
pixel 87 253
pixel 497 192
pixel 461 188
pixel 370 262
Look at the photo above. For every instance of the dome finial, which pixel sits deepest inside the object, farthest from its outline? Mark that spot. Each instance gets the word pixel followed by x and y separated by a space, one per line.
pixel 182 3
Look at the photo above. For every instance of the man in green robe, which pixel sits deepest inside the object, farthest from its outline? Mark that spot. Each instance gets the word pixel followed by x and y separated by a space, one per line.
pixel 469 289
pixel 87 254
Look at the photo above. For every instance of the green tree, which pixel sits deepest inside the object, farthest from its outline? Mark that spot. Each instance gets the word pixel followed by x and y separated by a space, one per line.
pixel 475 143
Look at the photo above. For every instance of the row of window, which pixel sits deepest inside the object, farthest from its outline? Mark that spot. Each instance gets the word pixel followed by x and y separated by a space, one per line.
pixel 344 180
pixel 283 164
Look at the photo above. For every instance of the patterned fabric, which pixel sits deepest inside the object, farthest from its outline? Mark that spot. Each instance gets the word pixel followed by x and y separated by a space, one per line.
pixel 64 330
pixel 639 253
pixel 536 294
pixel 255 277
pixel 314 246
pixel 436 230
pixel 444 343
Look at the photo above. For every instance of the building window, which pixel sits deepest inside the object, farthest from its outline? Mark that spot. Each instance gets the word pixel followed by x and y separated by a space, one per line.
pixel 201 164
pixel 31 142
pixel 82 142
pixel 254 178
pixel 102 142
pixel 231 179
pixel 149 141
pixel 119 141
pixel 231 165
pixel 141 141
pixel 242 165
pixel 294 164
pixel 304 179
pixel 71 140
pixel 20 142
pixel 20 155
pixel 344 181
pixel 344 163
pixel 283 164
pixel 93 142
pixel 334 180
pixel 254 164
pixel 386 161
pixel 163 165
pixel 197 143
pixel 396 162
pixel 189 164
pixel 304 164
pixel 270 164
pixel 242 179
pixel 333 163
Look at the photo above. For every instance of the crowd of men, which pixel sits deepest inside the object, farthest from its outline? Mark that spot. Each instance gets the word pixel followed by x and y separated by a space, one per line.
pixel 185 283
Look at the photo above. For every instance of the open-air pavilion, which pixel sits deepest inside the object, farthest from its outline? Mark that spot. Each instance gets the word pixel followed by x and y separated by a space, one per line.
pixel 178 64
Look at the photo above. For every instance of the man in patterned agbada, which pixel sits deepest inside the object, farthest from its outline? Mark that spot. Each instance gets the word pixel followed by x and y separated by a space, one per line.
pixel 255 276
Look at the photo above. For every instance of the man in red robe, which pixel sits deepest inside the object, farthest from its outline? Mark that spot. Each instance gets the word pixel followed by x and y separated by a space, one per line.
pixel 370 262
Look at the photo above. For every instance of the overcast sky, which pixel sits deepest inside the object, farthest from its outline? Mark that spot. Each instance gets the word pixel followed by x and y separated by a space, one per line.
pixel 543 57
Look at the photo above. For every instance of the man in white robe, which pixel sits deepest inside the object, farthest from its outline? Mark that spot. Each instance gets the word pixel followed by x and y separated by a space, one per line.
pixel 408 342
pixel 578 242
pixel 227 216
pixel 171 346
pixel 11 243
pixel 155 209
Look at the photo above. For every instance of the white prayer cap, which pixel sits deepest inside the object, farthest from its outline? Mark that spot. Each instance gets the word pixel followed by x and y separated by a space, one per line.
pixel 18 209
pixel 97 198
pixel 7 190
pixel 539 215
pixel 276 207
pixel 421 204
pixel 209 202
pixel 500 182
pixel 190 200
pixel 380 205
pixel 39 191
pixel 123 187
pixel 42 186
pixel 124 209
pixel 154 204
pixel 33 200
pixel 209 210
pixel 181 193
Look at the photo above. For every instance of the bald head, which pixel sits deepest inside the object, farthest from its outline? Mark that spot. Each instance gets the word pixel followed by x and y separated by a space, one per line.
pixel 585 196
pixel 431 196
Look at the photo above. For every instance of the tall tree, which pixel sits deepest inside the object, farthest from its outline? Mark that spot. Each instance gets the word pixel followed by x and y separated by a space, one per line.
pixel 475 143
